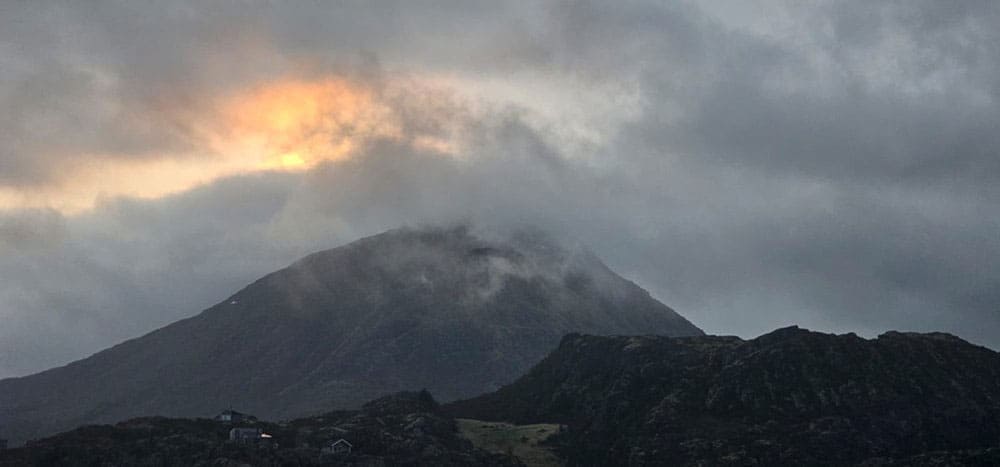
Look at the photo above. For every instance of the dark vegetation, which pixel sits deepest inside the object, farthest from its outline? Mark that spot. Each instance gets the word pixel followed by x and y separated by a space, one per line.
pixel 405 429
pixel 791 397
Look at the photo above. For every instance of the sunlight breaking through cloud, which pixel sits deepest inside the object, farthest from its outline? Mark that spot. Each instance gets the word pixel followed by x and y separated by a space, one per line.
pixel 283 125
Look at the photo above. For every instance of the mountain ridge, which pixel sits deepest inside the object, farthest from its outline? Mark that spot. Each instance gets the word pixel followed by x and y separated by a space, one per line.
pixel 438 308
pixel 789 397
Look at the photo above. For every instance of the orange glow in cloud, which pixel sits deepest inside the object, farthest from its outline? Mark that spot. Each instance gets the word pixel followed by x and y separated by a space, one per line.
pixel 294 125
pixel 289 125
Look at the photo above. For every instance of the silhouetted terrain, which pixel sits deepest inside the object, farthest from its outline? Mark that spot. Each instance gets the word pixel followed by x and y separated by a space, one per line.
pixel 441 309
pixel 791 397
pixel 405 429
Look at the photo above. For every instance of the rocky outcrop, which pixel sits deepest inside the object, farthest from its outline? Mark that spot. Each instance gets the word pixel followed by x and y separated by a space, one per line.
pixel 791 397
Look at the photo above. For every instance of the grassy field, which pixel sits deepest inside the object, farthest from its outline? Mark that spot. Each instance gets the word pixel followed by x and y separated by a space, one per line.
pixel 523 441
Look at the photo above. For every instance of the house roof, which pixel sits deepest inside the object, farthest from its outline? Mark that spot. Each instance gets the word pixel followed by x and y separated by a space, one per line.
pixel 342 441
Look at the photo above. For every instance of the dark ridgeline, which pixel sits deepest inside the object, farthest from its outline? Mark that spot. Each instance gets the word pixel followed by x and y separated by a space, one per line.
pixel 404 429
pixel 442 309
pixel 791 397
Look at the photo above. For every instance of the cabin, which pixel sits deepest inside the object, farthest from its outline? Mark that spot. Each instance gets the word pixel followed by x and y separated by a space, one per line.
pixel 232 416
pixel 245 435
pixel 340 446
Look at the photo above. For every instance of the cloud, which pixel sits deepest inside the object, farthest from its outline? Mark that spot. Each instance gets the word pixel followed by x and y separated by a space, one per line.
pixel 826 164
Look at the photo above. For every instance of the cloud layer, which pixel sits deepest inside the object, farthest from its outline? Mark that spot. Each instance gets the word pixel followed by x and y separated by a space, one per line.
pixel 833 165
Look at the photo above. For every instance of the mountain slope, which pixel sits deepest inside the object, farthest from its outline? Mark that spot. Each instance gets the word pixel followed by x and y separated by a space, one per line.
pixel 791 397
pixel 441 309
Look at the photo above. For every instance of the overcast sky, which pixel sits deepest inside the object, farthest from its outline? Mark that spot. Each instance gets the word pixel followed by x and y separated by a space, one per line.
pixel 754 165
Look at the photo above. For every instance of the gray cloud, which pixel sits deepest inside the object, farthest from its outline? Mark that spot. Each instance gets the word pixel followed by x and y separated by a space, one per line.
pixel 827 164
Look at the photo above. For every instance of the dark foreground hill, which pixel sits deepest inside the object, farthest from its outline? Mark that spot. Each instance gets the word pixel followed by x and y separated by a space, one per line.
pixel 405 429
pixel 791 397
pixel 442 309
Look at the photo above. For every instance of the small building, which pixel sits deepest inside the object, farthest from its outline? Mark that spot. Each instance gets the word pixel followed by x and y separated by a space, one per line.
pixel 232 416
pixel 3 444
pixel 340 446
pixel 246 435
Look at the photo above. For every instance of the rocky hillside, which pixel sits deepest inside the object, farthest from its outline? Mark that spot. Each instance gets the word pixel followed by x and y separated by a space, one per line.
pixel 405 429
pixel 791 397
pixel 443 309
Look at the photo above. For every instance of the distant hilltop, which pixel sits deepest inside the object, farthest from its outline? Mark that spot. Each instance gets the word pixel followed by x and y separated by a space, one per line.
pixel 791 397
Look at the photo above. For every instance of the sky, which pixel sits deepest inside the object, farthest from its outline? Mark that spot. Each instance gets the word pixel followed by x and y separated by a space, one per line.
pixel 754 165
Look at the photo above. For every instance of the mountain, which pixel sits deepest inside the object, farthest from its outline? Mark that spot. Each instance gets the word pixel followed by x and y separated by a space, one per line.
pixel 405 429
pixel 791 397
pixel 449 310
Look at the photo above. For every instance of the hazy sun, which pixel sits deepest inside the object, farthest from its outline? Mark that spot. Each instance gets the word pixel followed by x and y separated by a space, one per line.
pixel 285 125
pixel 295 125
pixel 292 160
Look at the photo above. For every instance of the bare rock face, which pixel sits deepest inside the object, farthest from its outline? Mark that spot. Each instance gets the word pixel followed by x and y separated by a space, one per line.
pixel 442 309
pixel 791 397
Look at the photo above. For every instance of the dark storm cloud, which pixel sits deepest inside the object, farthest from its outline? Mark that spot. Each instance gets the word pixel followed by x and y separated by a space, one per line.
pixel 855 164
pixel 73 286
pixel 833 165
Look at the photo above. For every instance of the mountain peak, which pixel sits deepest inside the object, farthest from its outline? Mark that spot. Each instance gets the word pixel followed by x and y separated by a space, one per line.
pixel 455 310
